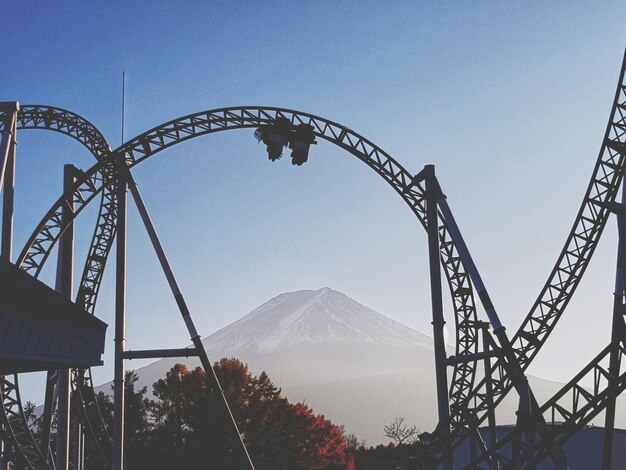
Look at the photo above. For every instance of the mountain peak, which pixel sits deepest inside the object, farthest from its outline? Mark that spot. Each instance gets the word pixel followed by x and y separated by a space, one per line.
pixel 323 316
pixel 308 293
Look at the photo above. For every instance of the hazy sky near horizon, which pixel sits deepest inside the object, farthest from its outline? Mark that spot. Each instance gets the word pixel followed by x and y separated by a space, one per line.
pixel 509 100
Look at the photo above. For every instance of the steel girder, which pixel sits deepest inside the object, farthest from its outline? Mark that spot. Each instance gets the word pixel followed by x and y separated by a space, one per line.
pixel 539 323
pixel 16 432
pixel 89 412
pixel 15 429
pixel 468 404
pixel 133 152
pixel 534 331
pixel 571 263
pixel 66 122
pixel 567 412
pixel 78 128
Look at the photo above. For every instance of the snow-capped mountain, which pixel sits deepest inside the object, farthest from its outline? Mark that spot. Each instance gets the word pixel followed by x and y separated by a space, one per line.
pixel 309 336
pixel 321 317
pixel 352 364
pixel 341 357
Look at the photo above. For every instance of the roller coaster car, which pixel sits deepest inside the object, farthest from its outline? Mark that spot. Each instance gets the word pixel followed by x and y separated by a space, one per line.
pixel 301 141
pixel 40 329
pixel 275 136
pixel 281 133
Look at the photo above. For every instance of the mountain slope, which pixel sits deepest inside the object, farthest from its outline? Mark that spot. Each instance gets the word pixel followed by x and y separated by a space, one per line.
pixel 324 316
pixel 308 336
pixel 348 362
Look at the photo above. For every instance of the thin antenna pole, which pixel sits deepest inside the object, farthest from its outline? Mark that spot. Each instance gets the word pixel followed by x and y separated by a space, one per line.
pixel 123 101
pixel 120 315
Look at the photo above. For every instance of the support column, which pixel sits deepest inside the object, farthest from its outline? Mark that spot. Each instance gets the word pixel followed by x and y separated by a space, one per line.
pixel 617 334
pixel 4 454
pixel 7 199
pixel 64 284
pixel 50 401
pixel 473 445
pixel 77 443
pixel 120 327
pixel 4 459
pixel 514 370
pixel 491 413
pixel 7 180
pixel 8 134
pixel 432 221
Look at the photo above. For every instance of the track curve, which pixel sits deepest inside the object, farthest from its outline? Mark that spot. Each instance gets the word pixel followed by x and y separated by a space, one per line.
pixel 173 132
pixel 537 326
pixel 572 262
pixel 16 432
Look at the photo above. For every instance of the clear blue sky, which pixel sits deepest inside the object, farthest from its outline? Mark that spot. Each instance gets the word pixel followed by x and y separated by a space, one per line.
pixel 509 100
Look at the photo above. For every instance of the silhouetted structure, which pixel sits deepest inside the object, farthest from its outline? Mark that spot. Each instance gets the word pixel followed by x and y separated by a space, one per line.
pixel 541 430
pixel 40 330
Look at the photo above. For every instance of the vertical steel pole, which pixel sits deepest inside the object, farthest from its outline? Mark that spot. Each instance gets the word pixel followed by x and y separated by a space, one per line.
pixel 82 451
pixel 616 335
pixel 73 433
pixel 8 198
pixel 513 368
pixel 120 326
pixel 65 281
pixel 77 441
pixel 473 445
pixel 491 415
pixel 4 454
pixel 8 134
pixel 50 400
pixel 4 462
pixel 7 156
pixel 432 221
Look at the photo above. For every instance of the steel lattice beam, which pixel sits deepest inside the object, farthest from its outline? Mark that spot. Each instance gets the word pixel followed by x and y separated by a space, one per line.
pixel 571 263
pixel 103 176
pixel 468 403
pixel 78 128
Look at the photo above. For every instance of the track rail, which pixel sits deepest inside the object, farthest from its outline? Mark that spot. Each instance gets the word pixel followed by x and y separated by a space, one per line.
pixel 468 404
pixel 15 427
pixel 567 412
pixel 102 175
pixel 569 268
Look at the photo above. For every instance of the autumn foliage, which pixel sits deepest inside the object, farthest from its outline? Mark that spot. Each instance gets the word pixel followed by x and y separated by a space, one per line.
pixel 180 428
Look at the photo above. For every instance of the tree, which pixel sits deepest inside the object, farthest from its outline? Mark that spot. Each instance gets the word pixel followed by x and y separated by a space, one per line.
pixel 278 435
pixel 137 411
pixel 406 449
pixel 353 444
pixel 183 428
pixel 136 422
pixel 401 433
pixel 171 417
pixel 93 458
pixel 33 421
pixel 352 441
pixel 316 443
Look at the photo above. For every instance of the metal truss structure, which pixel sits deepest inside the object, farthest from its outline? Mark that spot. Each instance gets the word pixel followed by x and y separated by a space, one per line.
pixel 463 405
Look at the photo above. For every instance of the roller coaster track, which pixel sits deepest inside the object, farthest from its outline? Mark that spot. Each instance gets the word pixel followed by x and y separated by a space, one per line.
pixel 102 176
pixel 570 409
pixel 467 401
pixel 564 278
pixel 15 427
